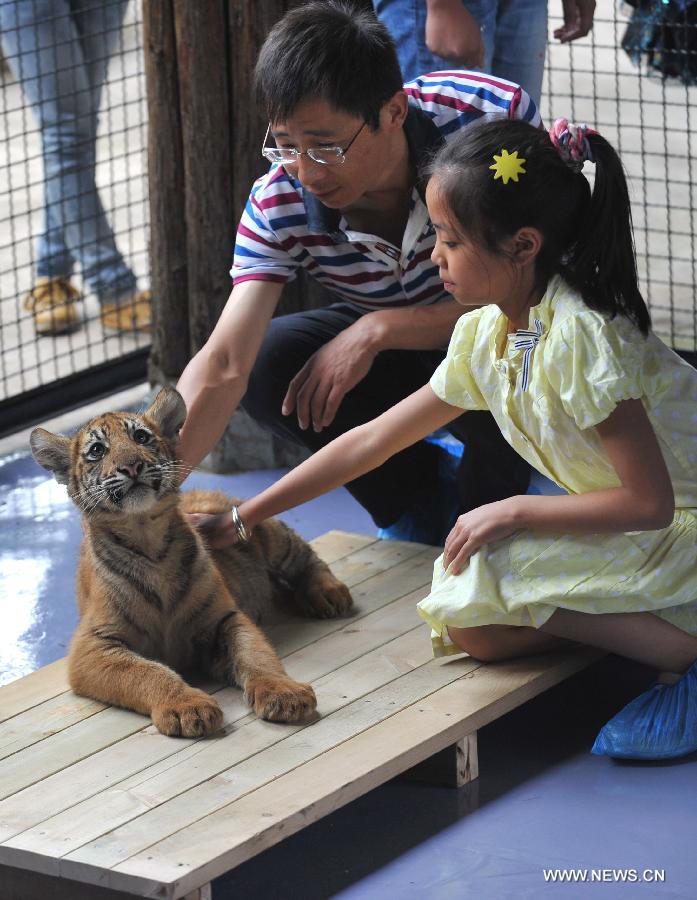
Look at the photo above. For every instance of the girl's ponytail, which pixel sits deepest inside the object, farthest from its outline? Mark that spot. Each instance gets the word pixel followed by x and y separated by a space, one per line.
pixel 601 262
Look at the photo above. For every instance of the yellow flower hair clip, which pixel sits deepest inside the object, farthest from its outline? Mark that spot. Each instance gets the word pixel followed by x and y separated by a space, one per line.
pixel 508 166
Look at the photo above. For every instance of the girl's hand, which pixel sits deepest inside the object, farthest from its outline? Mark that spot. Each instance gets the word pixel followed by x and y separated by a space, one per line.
pixel 480 526
pixel 217 529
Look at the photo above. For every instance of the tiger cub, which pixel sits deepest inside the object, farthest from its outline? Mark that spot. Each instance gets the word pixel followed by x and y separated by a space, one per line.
pixel 153 601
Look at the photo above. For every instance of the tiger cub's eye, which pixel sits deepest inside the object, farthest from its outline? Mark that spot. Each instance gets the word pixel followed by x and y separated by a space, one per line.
pixel 141 436
pixel 96 451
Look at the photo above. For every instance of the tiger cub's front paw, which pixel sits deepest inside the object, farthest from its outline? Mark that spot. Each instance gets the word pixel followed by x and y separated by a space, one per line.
pixel 192 714
pixel 280 699
pixel 323 596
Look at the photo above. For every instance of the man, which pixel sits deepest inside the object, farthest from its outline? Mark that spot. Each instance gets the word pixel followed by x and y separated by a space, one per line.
pixel 342 200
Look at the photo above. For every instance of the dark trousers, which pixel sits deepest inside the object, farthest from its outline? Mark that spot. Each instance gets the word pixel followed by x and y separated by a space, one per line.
pixel 490 469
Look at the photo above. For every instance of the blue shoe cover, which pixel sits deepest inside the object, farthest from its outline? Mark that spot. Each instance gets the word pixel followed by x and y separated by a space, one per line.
pixel 661 723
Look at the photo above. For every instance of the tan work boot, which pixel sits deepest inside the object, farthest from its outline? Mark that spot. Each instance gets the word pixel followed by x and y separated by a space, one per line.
pixel 52 301
pixel 134 314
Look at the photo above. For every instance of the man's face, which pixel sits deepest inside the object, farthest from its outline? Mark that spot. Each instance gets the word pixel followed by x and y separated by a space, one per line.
pixel 318 124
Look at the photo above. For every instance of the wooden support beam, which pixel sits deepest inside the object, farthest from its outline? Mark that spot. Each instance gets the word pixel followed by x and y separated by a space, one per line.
pixel 168 250
pixel 454 766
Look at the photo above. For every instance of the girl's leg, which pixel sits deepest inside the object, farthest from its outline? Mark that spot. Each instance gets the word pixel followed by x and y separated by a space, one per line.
pixel 643 637
pixel 494 643
pixel 661 723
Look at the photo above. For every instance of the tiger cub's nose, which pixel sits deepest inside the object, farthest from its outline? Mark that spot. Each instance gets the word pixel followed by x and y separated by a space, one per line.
pixel 132 469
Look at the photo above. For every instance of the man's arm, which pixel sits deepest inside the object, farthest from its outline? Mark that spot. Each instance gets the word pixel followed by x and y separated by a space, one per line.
pixel 316 392
pixel 453 33
pixel 215 380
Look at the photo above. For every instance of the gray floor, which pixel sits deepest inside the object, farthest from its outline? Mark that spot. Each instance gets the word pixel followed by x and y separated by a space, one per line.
pixel 541 801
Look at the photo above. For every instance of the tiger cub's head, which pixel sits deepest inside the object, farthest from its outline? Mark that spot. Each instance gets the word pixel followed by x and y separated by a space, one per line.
pixel 118 462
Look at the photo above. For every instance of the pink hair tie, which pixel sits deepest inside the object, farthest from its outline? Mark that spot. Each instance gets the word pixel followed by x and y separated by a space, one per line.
pixel 571 143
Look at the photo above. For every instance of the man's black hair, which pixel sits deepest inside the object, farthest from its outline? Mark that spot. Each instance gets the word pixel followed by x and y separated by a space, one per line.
pixel 329 50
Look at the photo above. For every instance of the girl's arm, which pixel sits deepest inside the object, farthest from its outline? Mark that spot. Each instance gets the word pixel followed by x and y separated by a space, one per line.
pixel 644 500
pixel 358 451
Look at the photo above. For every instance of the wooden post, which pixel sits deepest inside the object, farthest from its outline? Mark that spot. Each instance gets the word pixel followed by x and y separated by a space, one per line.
pixel 202 56
pixel 168 249
pixel 455 766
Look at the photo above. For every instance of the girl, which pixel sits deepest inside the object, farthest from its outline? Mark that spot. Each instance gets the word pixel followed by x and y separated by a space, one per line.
pixel 560 351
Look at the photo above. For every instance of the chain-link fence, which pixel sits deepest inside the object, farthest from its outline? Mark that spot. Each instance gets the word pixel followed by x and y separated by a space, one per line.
pixel 73 201
pixel 650 119
pixel 647 116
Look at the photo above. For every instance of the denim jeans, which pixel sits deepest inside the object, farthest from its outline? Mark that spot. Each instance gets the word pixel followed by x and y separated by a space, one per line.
pixel 59 51
pixel 514 34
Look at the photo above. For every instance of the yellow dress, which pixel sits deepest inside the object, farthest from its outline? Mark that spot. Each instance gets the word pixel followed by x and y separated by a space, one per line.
pixel 547 388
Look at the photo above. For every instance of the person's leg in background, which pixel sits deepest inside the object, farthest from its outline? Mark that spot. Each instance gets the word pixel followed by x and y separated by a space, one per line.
pixel 59 51
pixel 114 283
pixel 515 40
pixel 406 22
pixel 514 33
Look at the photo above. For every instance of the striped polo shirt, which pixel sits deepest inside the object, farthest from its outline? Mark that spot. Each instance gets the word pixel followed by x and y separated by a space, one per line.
pixel 284 228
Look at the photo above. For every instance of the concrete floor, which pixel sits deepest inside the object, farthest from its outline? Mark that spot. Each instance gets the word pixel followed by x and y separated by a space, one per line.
pixel 541 801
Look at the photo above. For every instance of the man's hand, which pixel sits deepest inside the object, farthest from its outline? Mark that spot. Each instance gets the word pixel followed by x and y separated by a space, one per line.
pixel 453 33
pixel 217 529
pixel 480 526
pixel 578 20
pixel 329 374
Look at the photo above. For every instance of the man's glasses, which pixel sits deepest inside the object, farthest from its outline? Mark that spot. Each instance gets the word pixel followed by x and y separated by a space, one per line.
pixel 325 156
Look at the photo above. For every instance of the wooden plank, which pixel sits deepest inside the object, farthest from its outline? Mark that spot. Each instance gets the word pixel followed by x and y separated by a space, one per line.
pixel 42 721
pixel 350 715
pixel 378 557
pixel 33 689
pixel 126 765
pixel 242 829
pixel 189 770
pixel 373 593
pixel 334 545
pixel 67 747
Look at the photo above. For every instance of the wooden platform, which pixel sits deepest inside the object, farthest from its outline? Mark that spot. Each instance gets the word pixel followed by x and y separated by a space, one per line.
pixel 95 803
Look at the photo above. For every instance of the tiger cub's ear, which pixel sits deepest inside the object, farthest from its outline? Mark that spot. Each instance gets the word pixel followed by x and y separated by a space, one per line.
pixel 52 452
pixel 168 412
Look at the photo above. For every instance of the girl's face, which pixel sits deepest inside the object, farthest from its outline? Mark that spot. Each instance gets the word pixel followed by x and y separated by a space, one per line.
pixel 470 273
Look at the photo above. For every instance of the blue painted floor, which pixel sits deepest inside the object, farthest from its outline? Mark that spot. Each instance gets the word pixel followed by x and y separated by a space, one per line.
pixel 541 801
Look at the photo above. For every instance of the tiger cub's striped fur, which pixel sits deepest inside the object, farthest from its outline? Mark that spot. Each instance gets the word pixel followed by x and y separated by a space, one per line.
pixel 153 601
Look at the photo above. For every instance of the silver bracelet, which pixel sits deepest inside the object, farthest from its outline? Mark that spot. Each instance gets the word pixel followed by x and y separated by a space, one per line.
pixel 240 530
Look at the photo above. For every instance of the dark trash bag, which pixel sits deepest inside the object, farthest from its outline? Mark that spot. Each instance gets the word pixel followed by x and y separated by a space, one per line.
pixel 664 37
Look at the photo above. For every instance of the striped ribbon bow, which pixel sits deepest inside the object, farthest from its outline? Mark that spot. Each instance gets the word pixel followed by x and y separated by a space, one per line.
pixel 527 340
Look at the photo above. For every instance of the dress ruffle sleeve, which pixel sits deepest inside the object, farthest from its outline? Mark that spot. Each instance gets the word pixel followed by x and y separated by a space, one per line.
pixel 453 381
pixel 593 363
